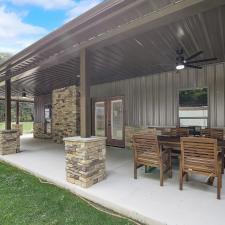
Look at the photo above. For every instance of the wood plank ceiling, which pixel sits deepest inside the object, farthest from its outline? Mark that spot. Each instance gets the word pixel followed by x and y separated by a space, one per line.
pixel 146 53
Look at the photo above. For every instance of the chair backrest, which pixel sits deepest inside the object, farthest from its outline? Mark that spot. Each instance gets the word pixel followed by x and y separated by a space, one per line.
pixel 206 132
pixel 181 132
pixel 199 154
pixel 146 144
pixel 217 133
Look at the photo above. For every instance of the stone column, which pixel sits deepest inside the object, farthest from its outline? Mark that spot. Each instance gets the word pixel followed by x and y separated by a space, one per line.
pixel 39 131
pixel 9 142
pixel 18 127
pixel 85 160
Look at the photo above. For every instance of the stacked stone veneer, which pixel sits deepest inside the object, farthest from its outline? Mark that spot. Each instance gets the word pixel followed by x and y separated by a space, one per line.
pixel 18 127
pixel 9 142
pixel 85 160
pixel 65 113
pixel 39 131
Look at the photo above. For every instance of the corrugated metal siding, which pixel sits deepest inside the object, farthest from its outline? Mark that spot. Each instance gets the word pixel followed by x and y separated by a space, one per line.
pixel 153 100
pixel 39 103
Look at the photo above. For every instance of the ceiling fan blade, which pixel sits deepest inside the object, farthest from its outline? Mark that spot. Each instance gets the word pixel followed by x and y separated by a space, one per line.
pixel 194 55
pixel 192 66
pixel 201 60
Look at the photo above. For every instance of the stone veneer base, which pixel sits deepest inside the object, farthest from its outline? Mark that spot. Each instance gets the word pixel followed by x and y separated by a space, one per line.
pixel 9 142
pixel 39 131
pixel 85 160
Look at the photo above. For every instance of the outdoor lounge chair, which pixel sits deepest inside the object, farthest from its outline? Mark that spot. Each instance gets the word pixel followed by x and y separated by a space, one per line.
pixel 147 152
pixel 200 156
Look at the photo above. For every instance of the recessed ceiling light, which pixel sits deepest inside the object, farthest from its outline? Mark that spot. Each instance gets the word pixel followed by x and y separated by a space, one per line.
pixel 78 76
pixel 180 32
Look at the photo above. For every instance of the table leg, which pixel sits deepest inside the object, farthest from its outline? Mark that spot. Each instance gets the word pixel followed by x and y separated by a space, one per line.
pixel 223 160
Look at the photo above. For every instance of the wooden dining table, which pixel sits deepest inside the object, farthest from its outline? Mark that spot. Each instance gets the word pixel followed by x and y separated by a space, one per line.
pixel 174 143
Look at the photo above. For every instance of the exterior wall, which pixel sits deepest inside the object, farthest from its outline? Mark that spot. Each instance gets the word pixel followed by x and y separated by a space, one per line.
pixel 65 113
pixel 153 100
pixel 39 120
pixel 39 105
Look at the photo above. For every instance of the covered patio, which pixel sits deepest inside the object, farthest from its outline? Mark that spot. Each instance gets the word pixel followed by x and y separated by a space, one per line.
pixel 140 199
pixel 122 68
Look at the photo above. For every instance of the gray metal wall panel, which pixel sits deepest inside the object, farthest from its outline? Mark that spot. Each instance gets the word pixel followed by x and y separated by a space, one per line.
pixel 39 103
pixel 153 100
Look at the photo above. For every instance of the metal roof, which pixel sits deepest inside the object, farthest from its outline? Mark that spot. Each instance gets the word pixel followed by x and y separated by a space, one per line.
pixel 125 38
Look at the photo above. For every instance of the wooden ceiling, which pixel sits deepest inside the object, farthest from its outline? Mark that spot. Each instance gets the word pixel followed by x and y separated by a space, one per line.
pixel 125 38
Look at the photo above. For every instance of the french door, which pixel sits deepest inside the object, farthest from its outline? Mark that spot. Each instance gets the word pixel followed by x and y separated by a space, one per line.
pixel 108 120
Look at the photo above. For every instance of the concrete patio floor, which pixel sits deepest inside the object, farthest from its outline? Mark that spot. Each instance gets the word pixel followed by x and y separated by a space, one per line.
pixel 142 199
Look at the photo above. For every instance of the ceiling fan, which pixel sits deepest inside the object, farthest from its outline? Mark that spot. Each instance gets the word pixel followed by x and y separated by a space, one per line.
pixel 182 62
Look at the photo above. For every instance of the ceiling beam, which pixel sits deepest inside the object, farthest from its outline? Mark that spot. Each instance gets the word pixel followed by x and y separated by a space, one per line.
pixel 19 99
pixel 46 64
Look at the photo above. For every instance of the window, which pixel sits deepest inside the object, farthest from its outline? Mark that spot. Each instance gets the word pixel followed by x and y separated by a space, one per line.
pixel 47 112
pixel 193 107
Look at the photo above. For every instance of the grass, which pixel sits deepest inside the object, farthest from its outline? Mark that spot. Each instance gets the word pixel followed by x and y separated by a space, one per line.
pixel 27 127
pixel 26 201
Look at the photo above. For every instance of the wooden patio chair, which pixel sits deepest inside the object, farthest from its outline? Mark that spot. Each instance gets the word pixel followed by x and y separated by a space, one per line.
pixel 217 133
pixel 181 132
pixel 200 156
pixel 206 132
pixel 147 152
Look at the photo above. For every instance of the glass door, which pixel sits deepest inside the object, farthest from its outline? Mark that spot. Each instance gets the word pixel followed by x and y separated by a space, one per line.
pixel 108 120
pixel 116 122
pixel 100 119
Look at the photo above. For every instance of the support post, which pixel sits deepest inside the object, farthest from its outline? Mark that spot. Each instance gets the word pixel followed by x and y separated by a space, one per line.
pixel 8 104
pixel 85 102
pixel 17 112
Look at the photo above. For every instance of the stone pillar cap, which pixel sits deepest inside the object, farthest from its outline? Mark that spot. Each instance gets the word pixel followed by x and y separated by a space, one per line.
pixel 80 139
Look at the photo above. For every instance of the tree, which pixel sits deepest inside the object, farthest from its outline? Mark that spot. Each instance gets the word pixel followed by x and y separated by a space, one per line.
pixel 4 56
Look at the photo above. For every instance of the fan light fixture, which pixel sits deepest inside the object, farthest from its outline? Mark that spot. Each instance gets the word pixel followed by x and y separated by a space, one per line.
pixel 24 94
pixel 183 62
pixel 180 66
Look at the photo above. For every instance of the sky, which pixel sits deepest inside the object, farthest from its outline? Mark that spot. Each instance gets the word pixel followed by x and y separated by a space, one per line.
pixel 22 22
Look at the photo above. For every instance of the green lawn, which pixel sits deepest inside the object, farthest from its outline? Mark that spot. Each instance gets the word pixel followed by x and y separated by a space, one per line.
pixel 26 201
pixel 27 127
